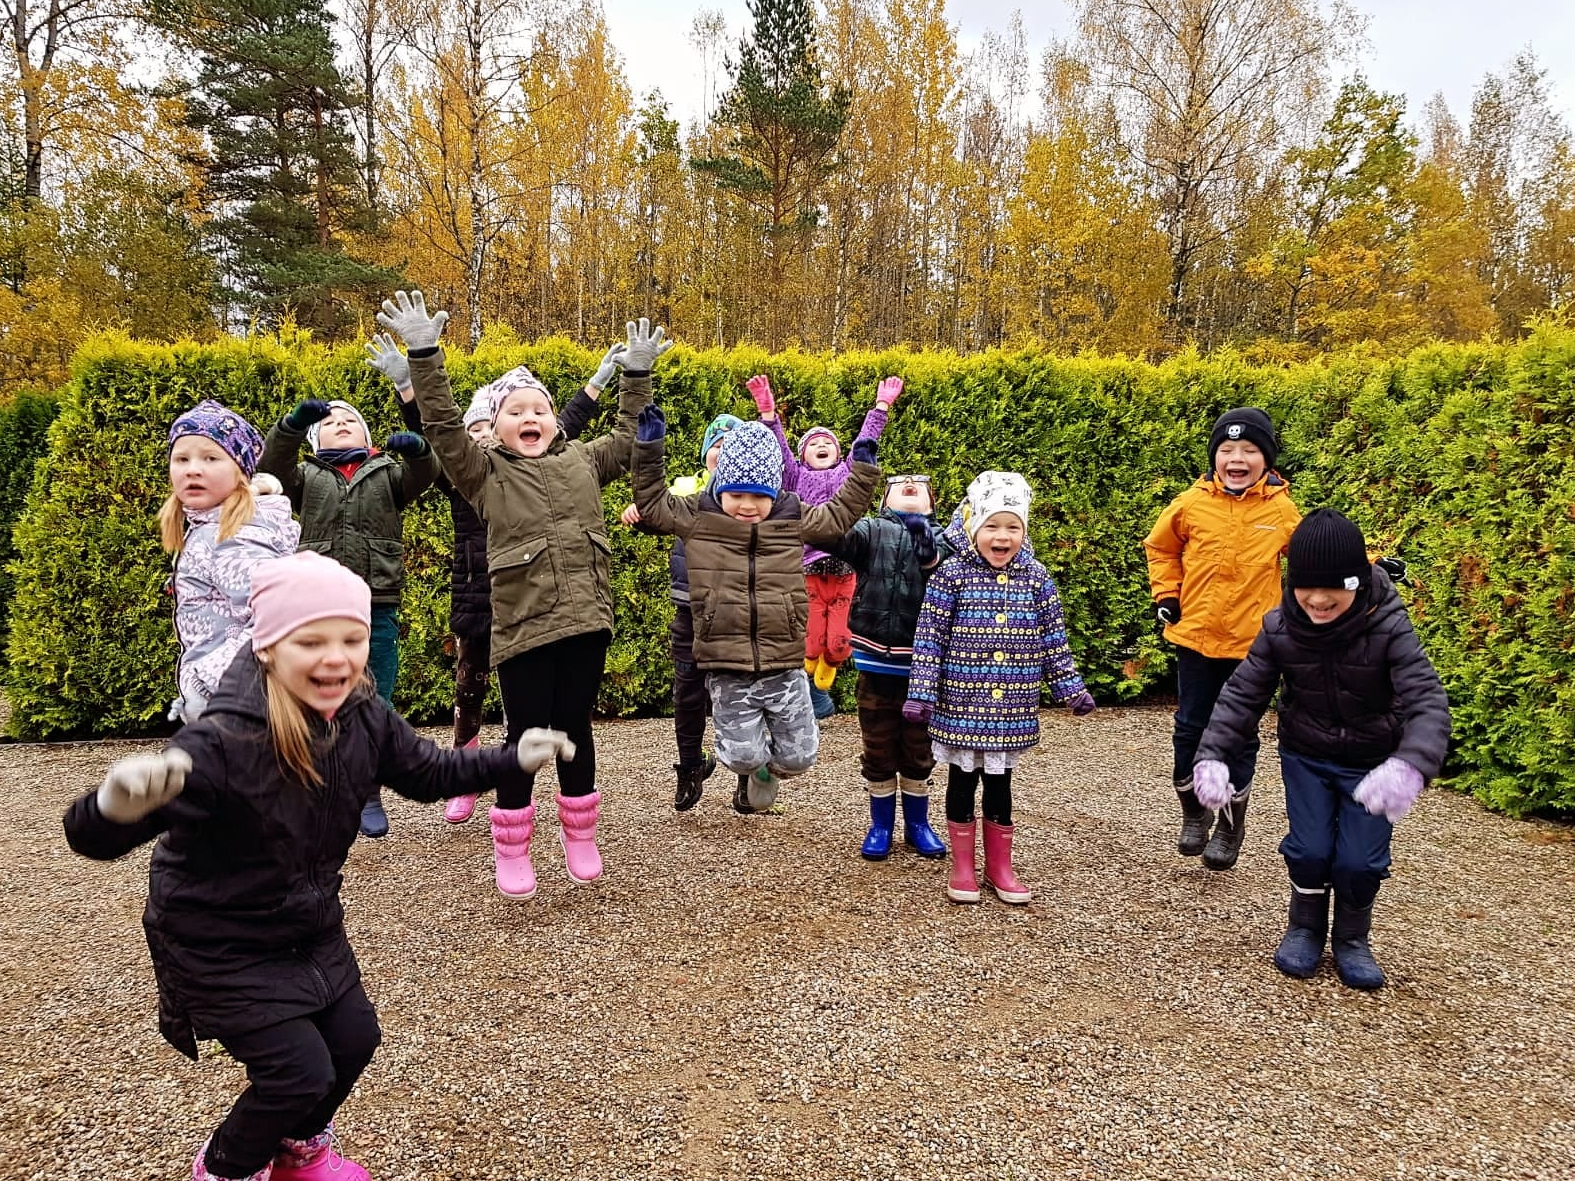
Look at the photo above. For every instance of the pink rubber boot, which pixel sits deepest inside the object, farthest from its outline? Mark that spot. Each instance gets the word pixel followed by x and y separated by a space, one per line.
pixel 577 815
pixel 199 1170
pixel 998 865
pixel 317 1159
pixel 511 830
pixel 461 808
pixel 962 886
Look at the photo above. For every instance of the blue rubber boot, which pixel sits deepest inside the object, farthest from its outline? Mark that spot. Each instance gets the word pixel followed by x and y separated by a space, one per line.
pixel 374 821
pixel 916 830
pixel 1302 947
pixel 1353 958
pixel 883 818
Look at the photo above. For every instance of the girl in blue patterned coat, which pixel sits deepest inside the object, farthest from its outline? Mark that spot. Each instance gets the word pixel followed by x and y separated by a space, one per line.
pixel 990 632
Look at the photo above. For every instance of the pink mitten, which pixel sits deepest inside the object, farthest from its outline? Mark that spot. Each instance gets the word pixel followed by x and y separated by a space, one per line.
pixel 887 392
pixel 759 387
pixel 1211 783
pixel 1389 789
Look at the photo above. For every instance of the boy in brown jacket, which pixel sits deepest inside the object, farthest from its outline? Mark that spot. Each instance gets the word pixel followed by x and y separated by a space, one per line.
pixel 745 540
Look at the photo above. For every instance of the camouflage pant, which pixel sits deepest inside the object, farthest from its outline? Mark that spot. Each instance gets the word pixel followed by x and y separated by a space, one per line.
pixel 764 720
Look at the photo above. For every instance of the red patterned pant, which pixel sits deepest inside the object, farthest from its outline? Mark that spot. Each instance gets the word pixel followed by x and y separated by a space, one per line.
pixel 830 598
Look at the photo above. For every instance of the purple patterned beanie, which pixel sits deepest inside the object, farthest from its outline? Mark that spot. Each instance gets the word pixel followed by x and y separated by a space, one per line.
pixel 239 438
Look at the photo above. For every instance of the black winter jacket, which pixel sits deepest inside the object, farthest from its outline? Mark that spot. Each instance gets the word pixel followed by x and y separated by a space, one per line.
pixel 243 920
pixel 891 583
pixel 470 594
pixel 1355 692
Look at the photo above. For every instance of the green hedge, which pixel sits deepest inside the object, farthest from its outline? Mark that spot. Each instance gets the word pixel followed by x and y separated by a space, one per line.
pixel 24 436
pixel 1457 457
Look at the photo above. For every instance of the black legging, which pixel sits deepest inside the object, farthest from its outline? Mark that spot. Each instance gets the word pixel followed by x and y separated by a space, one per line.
pixel 471 675
pixel 555 686
pixel 960 786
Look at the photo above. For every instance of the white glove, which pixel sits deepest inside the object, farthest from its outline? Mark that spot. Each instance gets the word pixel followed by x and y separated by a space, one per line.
pixel 611 360
pixel 406 315
pixel 265 485
pixel 142 784
pixel 538 747
pixel 644 346
pixel 384 356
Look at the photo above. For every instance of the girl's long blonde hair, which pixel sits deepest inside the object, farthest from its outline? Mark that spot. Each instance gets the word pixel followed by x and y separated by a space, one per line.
pixel 289 729
pixel 237 512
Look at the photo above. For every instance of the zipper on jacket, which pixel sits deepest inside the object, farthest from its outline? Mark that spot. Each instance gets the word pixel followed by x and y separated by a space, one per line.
pixel 754 607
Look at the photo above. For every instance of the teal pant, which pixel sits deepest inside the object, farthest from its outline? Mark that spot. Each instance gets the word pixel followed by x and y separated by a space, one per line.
pixel 383 659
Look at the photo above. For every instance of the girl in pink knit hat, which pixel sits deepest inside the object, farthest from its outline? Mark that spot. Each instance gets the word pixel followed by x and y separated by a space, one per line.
pixel 254 808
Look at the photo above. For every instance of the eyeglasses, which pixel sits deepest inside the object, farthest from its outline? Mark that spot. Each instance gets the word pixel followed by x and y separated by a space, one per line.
pixel 893 481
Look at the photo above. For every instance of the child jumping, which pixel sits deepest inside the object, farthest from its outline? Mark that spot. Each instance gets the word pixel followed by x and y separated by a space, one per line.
pixel 990 632
pixel 220 520
pixel 351 498
pixel 540 497
pixel 893 554
pixel 744 537
pixel 470 588
pixel 1214 571
pixel 815 474
pixel 254 808
pixel 690 703
pixel 1363 724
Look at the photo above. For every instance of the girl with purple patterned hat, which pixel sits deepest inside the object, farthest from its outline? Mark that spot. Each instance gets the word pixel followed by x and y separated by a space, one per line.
pixel 220 520
pixel 990 633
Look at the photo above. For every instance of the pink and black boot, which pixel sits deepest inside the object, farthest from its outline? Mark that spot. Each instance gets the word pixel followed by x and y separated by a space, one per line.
pixel 461 808
pixel 317 1159
pixel 200 1171
pixel 577 815
pixel 511 833
pixel 998 871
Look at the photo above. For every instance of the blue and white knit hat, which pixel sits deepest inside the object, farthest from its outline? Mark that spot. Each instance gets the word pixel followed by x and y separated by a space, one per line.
pixel 996 492
pixel 313 431
pixel 751 461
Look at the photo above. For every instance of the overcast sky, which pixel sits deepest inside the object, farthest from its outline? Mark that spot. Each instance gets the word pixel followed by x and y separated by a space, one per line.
pixel 1418 47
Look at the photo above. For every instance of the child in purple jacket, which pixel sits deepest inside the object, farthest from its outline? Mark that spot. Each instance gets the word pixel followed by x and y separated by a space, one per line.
pixel 990 632
pixel 816 473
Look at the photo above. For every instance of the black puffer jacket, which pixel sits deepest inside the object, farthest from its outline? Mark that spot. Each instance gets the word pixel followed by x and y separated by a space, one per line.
pixel 470 596
pixel 1356 691
pixel 891 583
pixel 243 918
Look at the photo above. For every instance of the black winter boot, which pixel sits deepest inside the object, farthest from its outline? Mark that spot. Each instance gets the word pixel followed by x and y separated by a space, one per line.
pixel 1195 820
pixel 1353 958
pixel 691 782
pixel 1302 947
pixel 1225 845
pixel 741 803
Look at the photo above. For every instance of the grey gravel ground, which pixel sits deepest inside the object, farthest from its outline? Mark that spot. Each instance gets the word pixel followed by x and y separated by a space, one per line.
pixel 746 998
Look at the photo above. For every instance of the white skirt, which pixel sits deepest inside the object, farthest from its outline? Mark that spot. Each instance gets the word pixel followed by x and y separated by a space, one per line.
pixel 991 762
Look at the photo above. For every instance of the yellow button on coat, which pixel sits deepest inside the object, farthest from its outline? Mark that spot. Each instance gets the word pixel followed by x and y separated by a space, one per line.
pixel 1001 578
pixel 1000 656
pixel 1000 617
pixel 997 694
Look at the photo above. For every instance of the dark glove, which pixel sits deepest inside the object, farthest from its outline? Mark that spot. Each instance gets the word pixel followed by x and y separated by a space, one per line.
pixel 1395 568
pixel 1081 705
pixel 306 413
pixel 651 426
pixel 1169 611
pixel 865 451
pixel 406 443
pixel 917 711
pixel 923 534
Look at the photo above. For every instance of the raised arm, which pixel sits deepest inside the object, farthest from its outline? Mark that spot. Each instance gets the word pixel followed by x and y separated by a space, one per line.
pixel 577 415
pixel 612 453
pixel 829 523
pixel 660 511
pixel 282 448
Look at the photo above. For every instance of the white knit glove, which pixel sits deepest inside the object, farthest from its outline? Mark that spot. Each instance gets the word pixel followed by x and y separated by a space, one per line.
pixel 265 485
pixel 538 747
pixel 142 784
pixel 406 316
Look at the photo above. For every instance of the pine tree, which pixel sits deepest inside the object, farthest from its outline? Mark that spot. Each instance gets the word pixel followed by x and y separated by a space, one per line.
pixel 281 163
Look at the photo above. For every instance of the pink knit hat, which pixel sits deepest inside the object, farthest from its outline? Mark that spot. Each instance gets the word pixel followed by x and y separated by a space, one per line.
pixel 300 589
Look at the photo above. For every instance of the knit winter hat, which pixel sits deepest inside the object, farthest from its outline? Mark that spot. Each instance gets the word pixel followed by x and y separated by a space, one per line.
pixel 1251 424
pixel 1327 550
pixel 480 408
pixel 520 378
pixel 288 593
pixel 239 438
pixel 803 444
pixel 751 461
pixel 316 428
pixel 719 427
pixel 996 492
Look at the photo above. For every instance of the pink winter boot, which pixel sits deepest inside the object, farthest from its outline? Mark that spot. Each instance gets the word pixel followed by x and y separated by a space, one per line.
pixel 199 1169
pixel 511 830
pixel 317 1159
pixel 577 815
pixel 962 886
pixel 460 808
pixel 998 865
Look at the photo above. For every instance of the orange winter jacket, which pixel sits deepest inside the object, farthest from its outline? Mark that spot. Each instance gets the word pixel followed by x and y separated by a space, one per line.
pixel 1220 555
